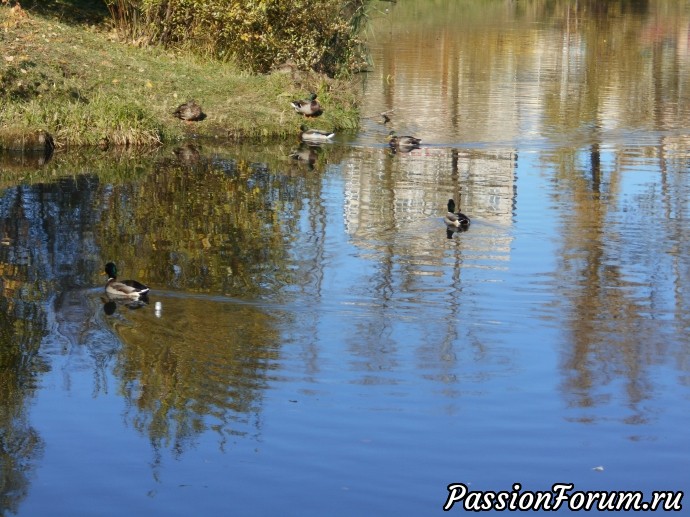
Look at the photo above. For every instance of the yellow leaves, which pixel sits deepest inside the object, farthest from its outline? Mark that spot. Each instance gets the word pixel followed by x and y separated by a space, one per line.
pixel 15 17
pixel 148 84
pixel 18 12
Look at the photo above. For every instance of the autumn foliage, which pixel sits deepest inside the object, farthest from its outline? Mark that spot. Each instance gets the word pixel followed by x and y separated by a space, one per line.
pixel 258 35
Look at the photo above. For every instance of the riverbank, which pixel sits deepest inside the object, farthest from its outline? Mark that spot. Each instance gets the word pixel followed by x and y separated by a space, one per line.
pixel 84 87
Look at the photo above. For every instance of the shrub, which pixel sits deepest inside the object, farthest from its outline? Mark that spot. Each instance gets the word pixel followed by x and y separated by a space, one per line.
pixel 258 35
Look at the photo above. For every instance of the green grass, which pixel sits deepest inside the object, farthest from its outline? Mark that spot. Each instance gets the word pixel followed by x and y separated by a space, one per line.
pixel 84 86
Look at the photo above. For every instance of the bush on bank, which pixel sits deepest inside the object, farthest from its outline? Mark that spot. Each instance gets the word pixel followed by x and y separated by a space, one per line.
pixel 86 86
pixel 258 35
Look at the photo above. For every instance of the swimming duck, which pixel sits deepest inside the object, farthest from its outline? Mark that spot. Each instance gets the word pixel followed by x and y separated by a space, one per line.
pixel 386 116
pixel 189 111
pixel 406 143
pixel 455 219
pixel 315 135
pixel 308 107
pixel 124 288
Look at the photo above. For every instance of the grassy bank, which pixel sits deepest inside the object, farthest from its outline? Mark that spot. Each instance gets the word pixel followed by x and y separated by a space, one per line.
pixel 85 87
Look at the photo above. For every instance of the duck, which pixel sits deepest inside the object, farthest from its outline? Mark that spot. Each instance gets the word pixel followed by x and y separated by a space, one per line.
pixel 406 142
pixel 315 135
pixel 130 289
pixel 386 115
pixel 190 111
pixel 456 220
pixel 309 107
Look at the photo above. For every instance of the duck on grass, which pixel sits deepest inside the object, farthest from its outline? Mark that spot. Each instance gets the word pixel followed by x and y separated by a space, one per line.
pixel 190 111
pixel 309 107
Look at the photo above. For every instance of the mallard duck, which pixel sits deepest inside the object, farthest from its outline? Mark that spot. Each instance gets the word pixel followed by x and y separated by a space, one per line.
pixel 403 142
pixel 456 220
pixel 308 107
pixel 124 288
pixel 315 135
pixel 190 111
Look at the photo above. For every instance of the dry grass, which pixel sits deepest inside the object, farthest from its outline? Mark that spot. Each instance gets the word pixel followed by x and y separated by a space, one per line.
pixel 85 87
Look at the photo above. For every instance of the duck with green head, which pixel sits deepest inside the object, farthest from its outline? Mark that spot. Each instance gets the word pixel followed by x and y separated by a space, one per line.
pixel 130 289
pixel 456 220
pixel 309 107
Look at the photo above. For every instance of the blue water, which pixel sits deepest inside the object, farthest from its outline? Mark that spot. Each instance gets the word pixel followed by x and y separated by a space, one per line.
pixel 336 352
pixel 384 389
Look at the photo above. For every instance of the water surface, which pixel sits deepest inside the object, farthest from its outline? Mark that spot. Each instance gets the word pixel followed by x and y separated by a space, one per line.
pixel 315 343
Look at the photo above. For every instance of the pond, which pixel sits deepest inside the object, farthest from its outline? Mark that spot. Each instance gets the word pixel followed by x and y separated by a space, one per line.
pixel 316 343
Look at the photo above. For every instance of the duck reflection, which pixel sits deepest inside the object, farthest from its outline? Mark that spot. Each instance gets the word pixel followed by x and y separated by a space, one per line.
pixel 187 153
pixel 306 154
pixel 403 144
pixel 111 304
